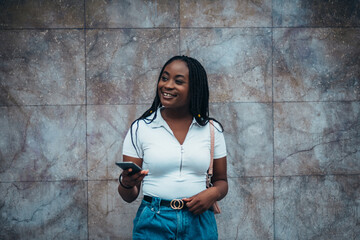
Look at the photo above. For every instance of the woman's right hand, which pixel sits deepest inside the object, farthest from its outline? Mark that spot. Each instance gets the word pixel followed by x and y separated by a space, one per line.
pixel 130 180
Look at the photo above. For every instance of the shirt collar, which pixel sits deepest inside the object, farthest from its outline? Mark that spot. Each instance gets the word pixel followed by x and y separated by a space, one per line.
pixel 160 122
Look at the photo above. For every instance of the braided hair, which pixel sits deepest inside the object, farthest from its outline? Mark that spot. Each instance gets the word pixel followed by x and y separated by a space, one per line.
pixel 198 90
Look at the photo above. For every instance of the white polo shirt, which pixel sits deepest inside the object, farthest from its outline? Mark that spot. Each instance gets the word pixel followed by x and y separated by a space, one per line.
pixel 175 170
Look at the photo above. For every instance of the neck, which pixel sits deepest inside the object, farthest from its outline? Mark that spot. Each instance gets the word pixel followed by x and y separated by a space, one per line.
pixel 170 113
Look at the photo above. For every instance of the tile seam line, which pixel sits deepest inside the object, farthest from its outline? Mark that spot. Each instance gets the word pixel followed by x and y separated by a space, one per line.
pixel 239 177
pixel 318 175
pixel 86 122
pixel 269 176
pixel 269 27
pixel 179 27
pixel 146 104
pixel 273 124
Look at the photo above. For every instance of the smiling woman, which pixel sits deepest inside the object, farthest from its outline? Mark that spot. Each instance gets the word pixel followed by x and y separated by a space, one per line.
pixel 171 140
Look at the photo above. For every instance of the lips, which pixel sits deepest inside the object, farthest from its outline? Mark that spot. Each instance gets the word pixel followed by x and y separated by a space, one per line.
pixel 168 95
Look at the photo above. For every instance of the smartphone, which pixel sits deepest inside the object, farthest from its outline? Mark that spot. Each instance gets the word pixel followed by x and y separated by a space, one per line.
pixel 126 165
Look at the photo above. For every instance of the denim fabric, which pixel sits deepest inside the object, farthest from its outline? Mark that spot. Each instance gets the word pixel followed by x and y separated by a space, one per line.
pixel 155 222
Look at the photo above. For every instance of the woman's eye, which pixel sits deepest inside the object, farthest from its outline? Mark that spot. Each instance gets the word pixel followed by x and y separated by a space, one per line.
pixel 164 79
pixel 179 82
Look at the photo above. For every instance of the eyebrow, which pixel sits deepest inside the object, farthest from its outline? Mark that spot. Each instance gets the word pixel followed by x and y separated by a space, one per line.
pixel 179 75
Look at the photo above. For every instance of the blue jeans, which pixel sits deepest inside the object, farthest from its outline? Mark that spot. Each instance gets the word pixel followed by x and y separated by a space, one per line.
pixel 154 222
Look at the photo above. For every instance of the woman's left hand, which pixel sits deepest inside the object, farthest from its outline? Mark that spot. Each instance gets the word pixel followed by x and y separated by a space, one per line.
pixel 202 201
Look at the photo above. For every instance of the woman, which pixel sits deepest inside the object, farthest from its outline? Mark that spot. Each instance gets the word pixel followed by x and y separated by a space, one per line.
pixel 171 140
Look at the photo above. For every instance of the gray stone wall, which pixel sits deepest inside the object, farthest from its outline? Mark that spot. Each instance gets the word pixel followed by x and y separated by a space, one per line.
pixel 285 83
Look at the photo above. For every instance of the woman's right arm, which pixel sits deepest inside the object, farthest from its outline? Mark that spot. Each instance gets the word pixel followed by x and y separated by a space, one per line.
pixel 129 188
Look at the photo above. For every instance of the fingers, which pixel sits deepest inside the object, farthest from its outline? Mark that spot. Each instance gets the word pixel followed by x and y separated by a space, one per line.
pixel 194 205
pixel 132 180
pixel 199 203
pixel 197 209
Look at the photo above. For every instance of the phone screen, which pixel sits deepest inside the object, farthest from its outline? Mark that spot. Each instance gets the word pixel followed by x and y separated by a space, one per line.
pixel 126 165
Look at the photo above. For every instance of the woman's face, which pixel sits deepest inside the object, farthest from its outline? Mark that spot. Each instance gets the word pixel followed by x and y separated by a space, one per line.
pixel 173 87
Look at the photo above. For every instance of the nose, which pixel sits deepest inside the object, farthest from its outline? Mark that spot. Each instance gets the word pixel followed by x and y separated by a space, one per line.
pixel 169 84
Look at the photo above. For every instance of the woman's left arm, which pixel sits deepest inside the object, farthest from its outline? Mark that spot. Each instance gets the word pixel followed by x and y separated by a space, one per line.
pixel 219 179
pixel 204 200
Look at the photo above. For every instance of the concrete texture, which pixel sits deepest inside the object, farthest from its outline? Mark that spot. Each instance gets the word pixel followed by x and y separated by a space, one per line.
pixel 284 81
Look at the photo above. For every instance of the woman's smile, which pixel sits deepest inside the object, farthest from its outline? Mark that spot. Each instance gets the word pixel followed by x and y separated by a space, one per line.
pixel 168 95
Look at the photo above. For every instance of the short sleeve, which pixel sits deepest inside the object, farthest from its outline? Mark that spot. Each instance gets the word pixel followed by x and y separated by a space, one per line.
pixel 219 145
pixel 132 147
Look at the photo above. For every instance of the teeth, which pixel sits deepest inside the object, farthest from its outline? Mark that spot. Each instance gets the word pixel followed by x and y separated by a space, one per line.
pixel 168 95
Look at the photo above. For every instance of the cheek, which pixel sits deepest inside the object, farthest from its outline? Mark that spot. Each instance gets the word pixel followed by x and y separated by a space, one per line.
pixel 158 86
pixel 187 93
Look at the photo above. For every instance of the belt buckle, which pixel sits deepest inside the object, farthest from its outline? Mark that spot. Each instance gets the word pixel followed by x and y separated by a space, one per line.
pixel 177 204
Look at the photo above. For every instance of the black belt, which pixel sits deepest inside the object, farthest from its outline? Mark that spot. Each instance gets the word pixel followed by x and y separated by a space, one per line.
pixel 176 204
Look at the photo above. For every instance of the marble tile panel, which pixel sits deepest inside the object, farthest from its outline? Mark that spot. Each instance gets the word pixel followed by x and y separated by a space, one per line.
pixel 41 14
pixel 317 207
pixel 248 135
pixel 316 64
pixel 42 67
pixel 43 210
pixel 107 127
pixel 237 61
pixel 109 216
pixel 233 13
pixel 316 13
pixel 317 138
pixel 42 143
pixel 132 14
pixel 247 210
pixel 123 65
